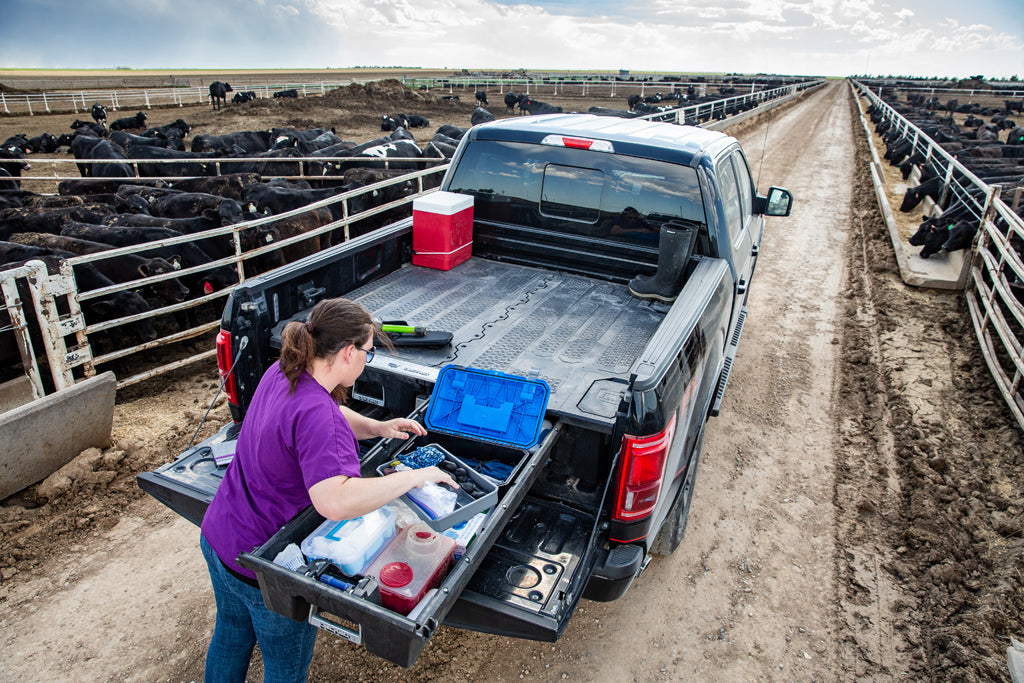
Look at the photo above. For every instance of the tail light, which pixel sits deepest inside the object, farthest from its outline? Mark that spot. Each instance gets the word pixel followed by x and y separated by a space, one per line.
pixel 641 473
pixel 224 359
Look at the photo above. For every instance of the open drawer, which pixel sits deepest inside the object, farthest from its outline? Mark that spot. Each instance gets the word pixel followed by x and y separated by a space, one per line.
pixel 384 633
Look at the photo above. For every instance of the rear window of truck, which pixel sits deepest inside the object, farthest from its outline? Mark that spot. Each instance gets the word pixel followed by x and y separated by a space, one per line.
pixel 595 194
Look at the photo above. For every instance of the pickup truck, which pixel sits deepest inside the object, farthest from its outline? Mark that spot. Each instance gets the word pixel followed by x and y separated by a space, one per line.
pixel 545 294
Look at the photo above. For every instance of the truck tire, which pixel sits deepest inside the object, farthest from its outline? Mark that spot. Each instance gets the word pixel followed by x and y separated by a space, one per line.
pixel 671 533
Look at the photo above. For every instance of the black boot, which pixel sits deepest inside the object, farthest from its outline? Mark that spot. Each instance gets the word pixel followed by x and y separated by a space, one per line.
pixel 674 248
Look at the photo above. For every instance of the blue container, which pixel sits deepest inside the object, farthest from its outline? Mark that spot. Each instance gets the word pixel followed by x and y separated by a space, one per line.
pixel 488 406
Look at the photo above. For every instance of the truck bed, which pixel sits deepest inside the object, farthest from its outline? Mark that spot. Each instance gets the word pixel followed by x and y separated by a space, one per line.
pixel 582 335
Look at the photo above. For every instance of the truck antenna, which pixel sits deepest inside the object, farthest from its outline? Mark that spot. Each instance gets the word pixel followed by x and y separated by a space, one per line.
pixel 241 345
pixel 764 144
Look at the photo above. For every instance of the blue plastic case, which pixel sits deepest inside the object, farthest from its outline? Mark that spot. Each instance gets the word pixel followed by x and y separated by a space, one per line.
pixel 488 406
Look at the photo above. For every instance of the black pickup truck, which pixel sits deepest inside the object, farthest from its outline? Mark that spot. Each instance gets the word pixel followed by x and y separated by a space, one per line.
pixel 545 294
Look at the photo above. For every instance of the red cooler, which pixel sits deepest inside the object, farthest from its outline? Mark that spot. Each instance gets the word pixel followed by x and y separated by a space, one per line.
pixel 442 230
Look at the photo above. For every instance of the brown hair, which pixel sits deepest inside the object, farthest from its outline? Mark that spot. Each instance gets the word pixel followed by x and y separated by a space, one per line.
pixel 332 325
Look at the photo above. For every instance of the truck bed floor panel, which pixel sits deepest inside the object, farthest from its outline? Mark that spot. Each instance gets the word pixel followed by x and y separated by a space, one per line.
pixel 582 335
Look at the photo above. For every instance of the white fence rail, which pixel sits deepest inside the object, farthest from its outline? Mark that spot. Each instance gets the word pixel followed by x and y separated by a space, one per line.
pixel 994 290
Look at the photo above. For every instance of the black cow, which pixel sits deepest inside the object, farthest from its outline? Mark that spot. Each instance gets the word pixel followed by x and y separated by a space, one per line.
pixel 450 131
pixel 43 143
pixel 450 98
pixel 247 141
pixel 49 219
pixel 930 237
pixel 621 113
pixel 123 268
pixel 244 96
pixel 480 115
pixel 961 235
pixel 88 278
pixel 913 196
pixel 271 198
pixel 1015 136
pixel 84 147
pixel 292 92
pixel 131 122
pixel 481 97
pixel 13 162
pixel 536 107
pixel 123 140
pixel 191 162
pixel 633 100
pixel 88 128
pixel 99 113
pixel 191 255
pixel 416 121
pixel 231 186
pixel 440 147
pixel 175 129
pixel 219 93
pixel 511 100
pixel 393 122
pixel 189 204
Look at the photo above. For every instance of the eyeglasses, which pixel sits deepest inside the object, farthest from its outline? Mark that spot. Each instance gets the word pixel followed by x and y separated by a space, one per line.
pixel 369 352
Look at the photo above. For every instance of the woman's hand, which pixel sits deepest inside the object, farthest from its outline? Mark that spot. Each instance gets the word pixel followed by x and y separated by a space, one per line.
pixel 436 475
pixel 400 428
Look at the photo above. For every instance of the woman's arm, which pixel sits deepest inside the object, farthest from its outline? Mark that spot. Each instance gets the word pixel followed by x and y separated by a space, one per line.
pixel 344 497
pixel 367 428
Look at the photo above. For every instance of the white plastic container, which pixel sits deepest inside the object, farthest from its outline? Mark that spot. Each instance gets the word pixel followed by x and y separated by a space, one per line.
pixel 352 544
pixel 464 533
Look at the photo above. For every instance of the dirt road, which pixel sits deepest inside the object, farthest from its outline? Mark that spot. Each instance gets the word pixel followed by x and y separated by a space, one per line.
pixel 857 515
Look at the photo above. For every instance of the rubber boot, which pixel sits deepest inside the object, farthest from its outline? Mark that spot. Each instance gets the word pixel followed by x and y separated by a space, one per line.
pixel 675 245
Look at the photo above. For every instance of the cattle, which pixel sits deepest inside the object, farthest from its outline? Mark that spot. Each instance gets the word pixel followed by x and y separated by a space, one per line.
pixel 481 97
pixel 99 113
pixel 536 107
pixel 601 111
pixel 243 97
pixel 264 163
pixel 300 224
pixel 416 121
pixel 440 147
pixel 511 100
pixel 131 122
pixel 230 186
pixel 50 201
pixel 122 139
pixel 13 162
pixel 192 163
pixel 270 198
pixel 1015 136
pixel 960 235
pixel 16 142
pixel 189 204
pixel 89 148
pixel 292 92
pixel 94 187
pixel 393 122
pixel 394 149
pixel 450 131
pixel 49 219
pixel 450 98
pixel 43 143
pixel 247 141
pixel 88 278
pixel 480 115
pixel 88 127
pixel 203 282
pixel 913 196
pixel 930 237
pixel 122 268
pixel 219 93
pixel 178 128
pixel 633 100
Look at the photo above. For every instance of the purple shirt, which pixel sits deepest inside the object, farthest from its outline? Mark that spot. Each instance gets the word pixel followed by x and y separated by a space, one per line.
pixel 288 443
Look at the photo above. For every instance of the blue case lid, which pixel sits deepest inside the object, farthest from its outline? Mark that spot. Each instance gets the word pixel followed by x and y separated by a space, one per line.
pixel 488 406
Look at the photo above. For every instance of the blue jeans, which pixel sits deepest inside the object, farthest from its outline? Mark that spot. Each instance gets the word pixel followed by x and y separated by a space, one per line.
pixel 242 621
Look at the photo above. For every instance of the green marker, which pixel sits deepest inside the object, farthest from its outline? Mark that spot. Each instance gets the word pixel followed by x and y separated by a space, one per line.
pixel 404 329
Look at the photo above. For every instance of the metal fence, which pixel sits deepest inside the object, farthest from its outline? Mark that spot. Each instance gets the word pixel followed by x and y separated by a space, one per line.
pixel 994 291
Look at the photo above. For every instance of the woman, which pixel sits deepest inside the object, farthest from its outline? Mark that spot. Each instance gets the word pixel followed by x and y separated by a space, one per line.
pixel 296 447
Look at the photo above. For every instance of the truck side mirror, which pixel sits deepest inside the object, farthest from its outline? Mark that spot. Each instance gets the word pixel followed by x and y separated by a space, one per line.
pixel 779 202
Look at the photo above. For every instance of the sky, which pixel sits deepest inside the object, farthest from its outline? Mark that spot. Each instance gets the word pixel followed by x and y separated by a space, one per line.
pixel 949 38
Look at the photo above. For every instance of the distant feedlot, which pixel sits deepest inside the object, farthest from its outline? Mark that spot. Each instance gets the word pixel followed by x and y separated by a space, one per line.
pixel 76 150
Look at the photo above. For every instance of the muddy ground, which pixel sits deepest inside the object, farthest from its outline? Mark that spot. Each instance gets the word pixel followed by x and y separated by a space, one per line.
pixel 858 514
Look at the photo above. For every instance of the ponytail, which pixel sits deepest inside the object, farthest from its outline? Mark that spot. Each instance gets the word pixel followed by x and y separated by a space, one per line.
pixel 332 325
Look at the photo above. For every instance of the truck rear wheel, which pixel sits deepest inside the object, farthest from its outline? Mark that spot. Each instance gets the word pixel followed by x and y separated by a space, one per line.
pixel 672 530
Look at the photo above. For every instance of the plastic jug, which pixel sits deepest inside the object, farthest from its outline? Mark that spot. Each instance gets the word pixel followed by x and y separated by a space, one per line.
pixel 415 561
